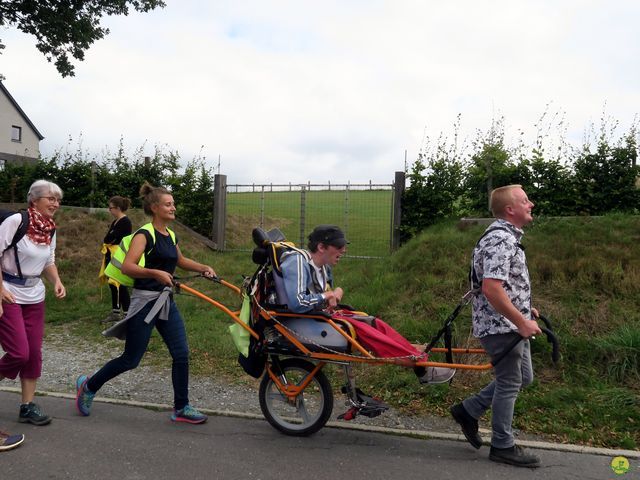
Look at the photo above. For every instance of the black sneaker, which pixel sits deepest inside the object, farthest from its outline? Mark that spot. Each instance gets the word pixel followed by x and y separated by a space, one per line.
pixel 31 413
pixel 468 423
pixel 514 456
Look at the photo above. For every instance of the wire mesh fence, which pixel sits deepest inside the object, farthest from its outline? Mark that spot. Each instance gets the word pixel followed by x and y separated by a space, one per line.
pixel 363 211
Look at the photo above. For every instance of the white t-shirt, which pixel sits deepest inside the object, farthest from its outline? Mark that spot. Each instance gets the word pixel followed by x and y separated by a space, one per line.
pixel 321 276
pixel 33 259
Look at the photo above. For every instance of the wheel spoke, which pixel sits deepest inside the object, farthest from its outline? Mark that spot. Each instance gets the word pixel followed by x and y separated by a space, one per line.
pixel 302 409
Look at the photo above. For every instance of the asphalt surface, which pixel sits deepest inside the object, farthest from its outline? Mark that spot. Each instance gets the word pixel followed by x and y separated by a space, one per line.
pixel 127 442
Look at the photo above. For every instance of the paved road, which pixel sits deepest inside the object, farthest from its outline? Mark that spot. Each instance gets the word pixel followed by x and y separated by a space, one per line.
pixel 133 443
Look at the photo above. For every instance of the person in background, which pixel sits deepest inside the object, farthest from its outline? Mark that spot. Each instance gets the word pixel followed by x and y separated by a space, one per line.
pixel 502 311
pixel 152 306
pixel 22 309
pixel 119 228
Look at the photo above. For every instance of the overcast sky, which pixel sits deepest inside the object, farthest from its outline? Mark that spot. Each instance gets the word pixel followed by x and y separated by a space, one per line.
pixel 333 90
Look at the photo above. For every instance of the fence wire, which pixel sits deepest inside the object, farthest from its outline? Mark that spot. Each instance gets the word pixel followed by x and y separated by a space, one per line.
pixel 362 211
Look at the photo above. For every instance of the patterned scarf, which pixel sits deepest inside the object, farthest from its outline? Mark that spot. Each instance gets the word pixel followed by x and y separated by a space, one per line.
pixel 40 227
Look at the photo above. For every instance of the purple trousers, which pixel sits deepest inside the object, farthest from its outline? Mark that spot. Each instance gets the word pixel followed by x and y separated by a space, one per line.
pixel 21 331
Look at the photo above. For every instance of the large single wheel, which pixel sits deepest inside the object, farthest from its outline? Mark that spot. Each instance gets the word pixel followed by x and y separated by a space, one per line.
pixel 305 414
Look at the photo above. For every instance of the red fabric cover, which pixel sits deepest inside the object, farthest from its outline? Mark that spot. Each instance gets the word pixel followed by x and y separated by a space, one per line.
pixel 381 339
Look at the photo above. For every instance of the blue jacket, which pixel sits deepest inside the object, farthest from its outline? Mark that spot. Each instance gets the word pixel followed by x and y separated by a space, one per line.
pixel 303 289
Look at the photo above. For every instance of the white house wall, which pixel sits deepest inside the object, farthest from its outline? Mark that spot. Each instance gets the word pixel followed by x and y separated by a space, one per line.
pixel 9 116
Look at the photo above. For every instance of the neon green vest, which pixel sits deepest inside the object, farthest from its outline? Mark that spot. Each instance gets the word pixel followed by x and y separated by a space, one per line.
pixel 114 269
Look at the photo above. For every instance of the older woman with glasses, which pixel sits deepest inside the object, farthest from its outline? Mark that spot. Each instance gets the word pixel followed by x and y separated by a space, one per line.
pixel 22 292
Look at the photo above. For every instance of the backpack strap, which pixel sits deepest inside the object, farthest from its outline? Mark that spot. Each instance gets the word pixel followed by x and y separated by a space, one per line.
pixel 278 251
pixel 474 282
pixel 20 233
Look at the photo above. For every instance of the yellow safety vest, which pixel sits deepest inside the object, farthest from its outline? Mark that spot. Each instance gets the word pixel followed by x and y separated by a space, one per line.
pixel 114 269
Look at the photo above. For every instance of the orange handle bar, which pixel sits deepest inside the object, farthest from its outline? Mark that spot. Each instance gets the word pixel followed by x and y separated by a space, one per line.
pixel 220 306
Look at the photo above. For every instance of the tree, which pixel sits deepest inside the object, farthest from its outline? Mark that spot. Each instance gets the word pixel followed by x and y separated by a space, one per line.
pixel 434 192
pixel 66 28
pixel 606 179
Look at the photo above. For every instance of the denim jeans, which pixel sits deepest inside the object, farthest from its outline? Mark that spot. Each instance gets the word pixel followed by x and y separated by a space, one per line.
pixel 174 335
pixel 512 373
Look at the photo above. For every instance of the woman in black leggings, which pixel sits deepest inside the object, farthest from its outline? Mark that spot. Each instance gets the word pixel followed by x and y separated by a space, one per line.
pixel 119 228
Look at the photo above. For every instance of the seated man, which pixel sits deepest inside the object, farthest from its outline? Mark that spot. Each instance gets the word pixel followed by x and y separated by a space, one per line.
pixel 308 285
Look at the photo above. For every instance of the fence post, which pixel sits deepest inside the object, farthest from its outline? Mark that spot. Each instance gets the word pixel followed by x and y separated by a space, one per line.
pixel 346 210
pixel 303 199
pixel 93 185
pixel 396 217
pixel 219 210
pixel 262 206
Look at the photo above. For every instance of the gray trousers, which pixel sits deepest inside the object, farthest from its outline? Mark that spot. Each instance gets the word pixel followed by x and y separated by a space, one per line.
pixel 512 373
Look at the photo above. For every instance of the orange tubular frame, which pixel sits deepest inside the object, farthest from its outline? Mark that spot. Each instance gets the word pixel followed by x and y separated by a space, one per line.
pixel 292 391
pixel 364 357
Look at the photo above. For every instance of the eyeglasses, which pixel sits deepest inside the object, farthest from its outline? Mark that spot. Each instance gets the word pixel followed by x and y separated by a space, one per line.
pixel 52 199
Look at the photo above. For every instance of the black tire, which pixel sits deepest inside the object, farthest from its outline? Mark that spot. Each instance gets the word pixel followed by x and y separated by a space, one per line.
pixel 309 412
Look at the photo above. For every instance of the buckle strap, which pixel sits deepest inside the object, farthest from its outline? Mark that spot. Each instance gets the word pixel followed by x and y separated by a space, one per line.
pixel 24 281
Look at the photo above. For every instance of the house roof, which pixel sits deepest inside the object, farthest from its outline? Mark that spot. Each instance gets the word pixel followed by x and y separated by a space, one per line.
pixel 24 115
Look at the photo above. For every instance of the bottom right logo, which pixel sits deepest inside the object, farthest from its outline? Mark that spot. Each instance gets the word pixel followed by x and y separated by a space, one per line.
pixel 620 465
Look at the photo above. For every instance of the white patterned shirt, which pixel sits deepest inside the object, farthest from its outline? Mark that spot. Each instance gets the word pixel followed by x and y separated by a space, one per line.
pixel 500 256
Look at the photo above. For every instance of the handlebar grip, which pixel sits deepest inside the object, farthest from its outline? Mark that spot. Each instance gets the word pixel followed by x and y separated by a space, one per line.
pixel 551 338
pixel 546 321
pixel 555 346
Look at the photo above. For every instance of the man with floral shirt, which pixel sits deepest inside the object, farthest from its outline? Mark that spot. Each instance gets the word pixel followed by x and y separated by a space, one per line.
pixel 501 312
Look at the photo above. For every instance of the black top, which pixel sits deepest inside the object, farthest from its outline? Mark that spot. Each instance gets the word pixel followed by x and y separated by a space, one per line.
pixel 163 256
pixel 117 230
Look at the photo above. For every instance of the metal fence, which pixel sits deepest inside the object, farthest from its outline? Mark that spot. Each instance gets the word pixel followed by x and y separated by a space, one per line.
pixel 365 212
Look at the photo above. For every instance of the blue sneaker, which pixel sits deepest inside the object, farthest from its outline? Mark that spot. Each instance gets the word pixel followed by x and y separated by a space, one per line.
pixel 7 441
pixel 188 414
pixel 84 398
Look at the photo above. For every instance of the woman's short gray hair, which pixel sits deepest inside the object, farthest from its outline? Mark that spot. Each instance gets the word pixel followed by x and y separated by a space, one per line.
pixel 43 188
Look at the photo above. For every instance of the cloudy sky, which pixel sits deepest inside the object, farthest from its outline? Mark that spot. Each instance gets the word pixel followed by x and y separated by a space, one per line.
pixel 295 90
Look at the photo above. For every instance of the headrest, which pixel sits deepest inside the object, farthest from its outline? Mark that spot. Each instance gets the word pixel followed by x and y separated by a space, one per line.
pixel 262 238
pixel 259 255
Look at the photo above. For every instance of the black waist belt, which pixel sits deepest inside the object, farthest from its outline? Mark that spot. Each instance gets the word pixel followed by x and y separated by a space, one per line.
pixel 22 281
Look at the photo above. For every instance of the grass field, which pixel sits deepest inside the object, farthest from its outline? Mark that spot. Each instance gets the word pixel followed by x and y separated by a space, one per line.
pixel 585 275
pixel 365 215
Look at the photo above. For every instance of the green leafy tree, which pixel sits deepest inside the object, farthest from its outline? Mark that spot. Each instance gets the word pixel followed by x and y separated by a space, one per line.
pixel 605 180
pixel 490 167
pixel 66 29
pixel 434 193
pixel 193 195
pixel 551 187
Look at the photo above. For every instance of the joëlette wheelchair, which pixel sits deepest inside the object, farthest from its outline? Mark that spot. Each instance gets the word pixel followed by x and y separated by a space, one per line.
pixel 289 350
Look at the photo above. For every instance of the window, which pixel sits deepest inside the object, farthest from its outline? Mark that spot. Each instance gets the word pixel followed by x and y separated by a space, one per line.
pixel 2 162
pixel 16 133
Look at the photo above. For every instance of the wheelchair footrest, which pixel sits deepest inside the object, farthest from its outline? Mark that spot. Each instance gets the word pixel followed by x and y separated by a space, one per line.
pixel 364 405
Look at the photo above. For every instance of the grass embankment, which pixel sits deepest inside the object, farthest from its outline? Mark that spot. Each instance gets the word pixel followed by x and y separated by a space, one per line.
pixel 585 274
